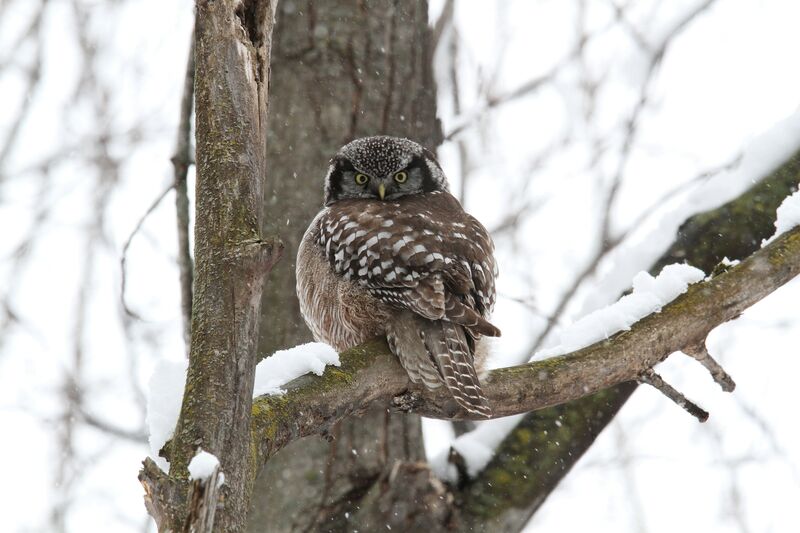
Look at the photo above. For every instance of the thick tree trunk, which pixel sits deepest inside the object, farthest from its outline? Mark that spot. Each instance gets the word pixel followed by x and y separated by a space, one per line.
pixel 341 70
pixel 232 69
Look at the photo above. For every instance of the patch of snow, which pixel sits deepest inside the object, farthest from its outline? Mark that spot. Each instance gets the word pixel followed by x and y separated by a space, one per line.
pixel 165 394
pixel 649 295
pixel 788 217
pixel 285 365
pixel 765 153
pixel 476 447
pixel 437 435
pixel 202 465
pixel 167 383
pixel 728 263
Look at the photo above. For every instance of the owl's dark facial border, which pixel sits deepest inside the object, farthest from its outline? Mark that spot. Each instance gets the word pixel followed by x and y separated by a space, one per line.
pixel 334 189
pixel 340 184
pixel 428 183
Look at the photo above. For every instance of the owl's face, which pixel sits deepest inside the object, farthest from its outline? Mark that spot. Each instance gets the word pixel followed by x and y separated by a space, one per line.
pixel 382 168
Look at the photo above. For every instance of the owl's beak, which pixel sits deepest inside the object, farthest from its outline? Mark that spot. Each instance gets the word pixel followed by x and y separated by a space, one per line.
pixel 382 190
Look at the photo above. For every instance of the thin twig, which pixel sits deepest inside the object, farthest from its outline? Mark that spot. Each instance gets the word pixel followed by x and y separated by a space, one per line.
pixel 700 353
pixel 124 259
pixel 181 161
pixel 32 79
pixel 444 21
pixel 106 427
pixel 650 377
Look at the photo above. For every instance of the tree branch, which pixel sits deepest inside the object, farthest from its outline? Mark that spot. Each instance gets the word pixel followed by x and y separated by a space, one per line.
pixel 369 373
pixel 181 161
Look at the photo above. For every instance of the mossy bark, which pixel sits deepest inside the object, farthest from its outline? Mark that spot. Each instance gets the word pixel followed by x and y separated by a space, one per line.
pixel 341 70
pixel 370 375
pixel 231 259
pixel 734 230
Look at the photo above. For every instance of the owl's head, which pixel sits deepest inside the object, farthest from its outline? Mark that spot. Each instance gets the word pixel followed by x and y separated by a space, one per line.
pixel 382 168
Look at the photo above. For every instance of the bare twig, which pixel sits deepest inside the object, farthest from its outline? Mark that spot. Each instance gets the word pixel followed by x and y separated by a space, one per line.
pixel 700 353
pixel 106 427
pixel 650 377
pixel 32 78
pixel 124 257
pixel 444 21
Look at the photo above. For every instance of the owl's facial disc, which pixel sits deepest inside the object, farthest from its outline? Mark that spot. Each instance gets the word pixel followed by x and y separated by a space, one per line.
pixel 379 188
pixel 382 168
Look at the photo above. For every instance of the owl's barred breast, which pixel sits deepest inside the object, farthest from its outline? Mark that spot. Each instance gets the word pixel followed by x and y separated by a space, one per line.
pixel 338 311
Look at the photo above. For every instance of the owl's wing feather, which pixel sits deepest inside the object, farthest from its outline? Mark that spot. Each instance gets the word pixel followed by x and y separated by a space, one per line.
pixel 422 253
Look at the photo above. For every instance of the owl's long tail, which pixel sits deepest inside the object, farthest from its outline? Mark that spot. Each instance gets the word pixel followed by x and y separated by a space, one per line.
pixel 437 352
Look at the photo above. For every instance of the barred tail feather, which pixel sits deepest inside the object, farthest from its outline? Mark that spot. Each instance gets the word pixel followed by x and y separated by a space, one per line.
pixel 435 352
pixel 406 344
pixel 457 367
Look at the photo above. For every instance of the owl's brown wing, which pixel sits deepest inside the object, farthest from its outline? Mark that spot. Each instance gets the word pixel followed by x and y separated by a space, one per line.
pixel 422 253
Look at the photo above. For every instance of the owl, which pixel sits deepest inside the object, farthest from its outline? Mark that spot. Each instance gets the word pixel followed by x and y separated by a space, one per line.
pixel 393 254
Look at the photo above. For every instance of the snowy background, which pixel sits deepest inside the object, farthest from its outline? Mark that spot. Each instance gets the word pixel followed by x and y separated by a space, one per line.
pixel 613 141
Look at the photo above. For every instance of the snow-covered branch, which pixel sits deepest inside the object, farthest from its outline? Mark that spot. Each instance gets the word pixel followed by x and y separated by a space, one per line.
pixel 369 374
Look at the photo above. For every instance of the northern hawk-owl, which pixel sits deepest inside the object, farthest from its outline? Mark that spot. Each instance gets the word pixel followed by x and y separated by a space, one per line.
pixel 393 253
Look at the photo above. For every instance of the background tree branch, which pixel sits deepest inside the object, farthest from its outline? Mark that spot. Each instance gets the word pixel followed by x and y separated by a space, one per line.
pixel 181 160
pixel 519 478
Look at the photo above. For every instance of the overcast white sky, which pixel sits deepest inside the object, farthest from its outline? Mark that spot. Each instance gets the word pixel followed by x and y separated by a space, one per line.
pixel 727 79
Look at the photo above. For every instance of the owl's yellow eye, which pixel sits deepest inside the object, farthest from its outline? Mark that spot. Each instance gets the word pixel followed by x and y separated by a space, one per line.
pixel 361 179
pixel 401 177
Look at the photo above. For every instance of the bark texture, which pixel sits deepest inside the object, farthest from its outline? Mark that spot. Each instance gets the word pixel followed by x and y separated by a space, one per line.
pixel 519 478
pixel 232 67
pixel 341 70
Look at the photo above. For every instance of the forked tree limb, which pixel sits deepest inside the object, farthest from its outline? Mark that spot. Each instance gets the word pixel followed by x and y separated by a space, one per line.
pixel 370 374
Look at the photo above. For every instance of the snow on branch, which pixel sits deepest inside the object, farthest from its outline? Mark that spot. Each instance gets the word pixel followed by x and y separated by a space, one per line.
pixel 204 493
pixel 370 374
pixel 649 295
pixel 788 216
pixel 283 366
pixel 167 383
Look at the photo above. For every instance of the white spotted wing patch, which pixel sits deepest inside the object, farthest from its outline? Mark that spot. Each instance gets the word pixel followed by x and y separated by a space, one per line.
pixel 422 253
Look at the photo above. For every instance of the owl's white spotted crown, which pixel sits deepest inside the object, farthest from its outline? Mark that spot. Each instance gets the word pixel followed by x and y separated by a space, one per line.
pixel 381 155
